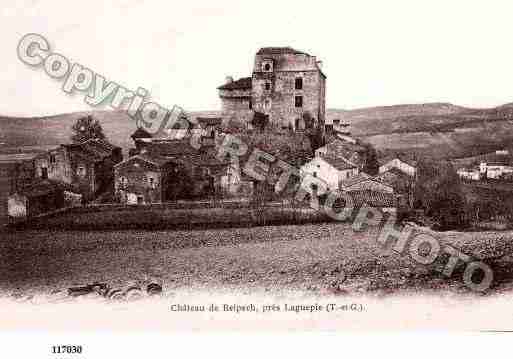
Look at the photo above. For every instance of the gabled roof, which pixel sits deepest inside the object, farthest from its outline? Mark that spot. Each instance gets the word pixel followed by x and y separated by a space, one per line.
pixel 168 148
pixel 209 121
pixel 373 198
pixel 153 159
pixel 279 51
pixel 349 151
pixel 393 174
pixel 403 158
pixel 140 133
pixel 244 83
pixel 96 150
pixel 338 163
pixel 356 179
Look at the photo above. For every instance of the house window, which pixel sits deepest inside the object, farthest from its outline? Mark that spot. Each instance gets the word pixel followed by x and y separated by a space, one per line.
pixel 267 86
pixel 123 182
pixel 299 83
pixel 81 171
pixel 44 172
pixel 52 158
pixel 267 104
pixel 315 174
pixel 299 101
pixel 152 183
pixel 267 67
pixel 250 104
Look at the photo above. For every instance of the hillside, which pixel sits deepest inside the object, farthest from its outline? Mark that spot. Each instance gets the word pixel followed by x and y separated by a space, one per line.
pixel 439 130
pixel 39 133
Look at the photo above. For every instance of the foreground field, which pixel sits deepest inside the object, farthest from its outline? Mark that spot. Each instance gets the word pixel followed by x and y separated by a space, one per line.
pixel 316 258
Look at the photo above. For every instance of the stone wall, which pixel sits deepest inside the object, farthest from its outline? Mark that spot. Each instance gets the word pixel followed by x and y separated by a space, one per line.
pixel 282 110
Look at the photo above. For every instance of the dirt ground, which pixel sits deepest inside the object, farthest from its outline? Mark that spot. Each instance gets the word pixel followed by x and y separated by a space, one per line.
pixel 318 258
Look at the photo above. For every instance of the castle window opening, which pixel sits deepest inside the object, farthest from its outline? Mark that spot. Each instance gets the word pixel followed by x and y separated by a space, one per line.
pixel 299 101
pixel 299 83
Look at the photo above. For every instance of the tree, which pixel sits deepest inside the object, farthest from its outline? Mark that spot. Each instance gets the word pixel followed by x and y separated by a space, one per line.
pixel 85 128
pixel 371 165
pixel 438 191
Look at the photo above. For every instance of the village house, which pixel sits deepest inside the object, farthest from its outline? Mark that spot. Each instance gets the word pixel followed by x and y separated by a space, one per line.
pixel 86 166
pixel 195 172
pixel 40 196
pixel 402 183
pixel 496 165
pixel 402 163
pixel 470 174
pixel 332 170
pixel 143 179
pixel 16 170
pixel 287 85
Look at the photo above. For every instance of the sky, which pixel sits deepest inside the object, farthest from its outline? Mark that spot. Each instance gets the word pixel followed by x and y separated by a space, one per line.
pixel 374 52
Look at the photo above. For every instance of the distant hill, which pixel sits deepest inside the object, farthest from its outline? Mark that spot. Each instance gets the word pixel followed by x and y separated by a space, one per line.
pixel 34 134
pixel 439 130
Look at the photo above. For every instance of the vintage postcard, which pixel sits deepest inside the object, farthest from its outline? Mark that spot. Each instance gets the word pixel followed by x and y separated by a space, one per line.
pixel 271 166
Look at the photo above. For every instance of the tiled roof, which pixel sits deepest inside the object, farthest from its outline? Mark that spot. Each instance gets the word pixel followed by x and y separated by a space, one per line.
pixel 244 83
pixel 373 199
pixel 279 51
pixel 95 150
pixel 209 121
pixel 141 133
pixel 347 150
pixel 402 158
pixel 170 148
pixel 356 179
pixel 339 163
pixel 152 158
pixel 397 179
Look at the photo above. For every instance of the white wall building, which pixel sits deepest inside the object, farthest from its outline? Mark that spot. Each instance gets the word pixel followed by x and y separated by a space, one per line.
pixel 330 169
pixel 402 165
pixel 469 174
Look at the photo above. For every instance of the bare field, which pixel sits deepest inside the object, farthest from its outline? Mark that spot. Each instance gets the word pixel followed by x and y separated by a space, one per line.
pixel 320 258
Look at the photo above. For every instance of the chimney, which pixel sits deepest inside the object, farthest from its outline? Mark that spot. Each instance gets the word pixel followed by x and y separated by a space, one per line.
pixel 229 79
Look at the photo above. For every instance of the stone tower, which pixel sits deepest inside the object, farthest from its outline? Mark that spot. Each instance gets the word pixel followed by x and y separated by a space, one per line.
pixel 287 85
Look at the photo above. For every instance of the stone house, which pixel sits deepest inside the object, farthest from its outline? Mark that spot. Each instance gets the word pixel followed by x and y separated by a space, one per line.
pixel 143 179
pixel 16 170
pixel 86 166
pixel 287 85
pixel 38 197
pixel 198 171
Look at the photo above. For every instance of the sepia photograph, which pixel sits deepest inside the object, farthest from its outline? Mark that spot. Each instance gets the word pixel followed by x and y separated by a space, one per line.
pixel 183 167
